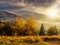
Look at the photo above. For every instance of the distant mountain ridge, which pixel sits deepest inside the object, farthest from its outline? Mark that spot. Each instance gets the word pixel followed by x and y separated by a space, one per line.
pixel 5 15
pixel 35 15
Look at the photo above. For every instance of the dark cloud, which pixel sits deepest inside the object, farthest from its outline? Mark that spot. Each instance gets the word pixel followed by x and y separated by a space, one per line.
pixel 34 2
pixel 9 6
pixel 40 2
pixel 15 4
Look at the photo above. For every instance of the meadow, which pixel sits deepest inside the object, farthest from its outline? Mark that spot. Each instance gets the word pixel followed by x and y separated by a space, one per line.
pixel 28 40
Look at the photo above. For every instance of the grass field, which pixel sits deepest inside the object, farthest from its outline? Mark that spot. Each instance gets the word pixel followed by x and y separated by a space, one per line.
pixel 26 40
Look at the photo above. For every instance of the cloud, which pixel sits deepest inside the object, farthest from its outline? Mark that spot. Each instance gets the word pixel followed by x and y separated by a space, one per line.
pixel 9 6
pixel 34 2
pixel 40 2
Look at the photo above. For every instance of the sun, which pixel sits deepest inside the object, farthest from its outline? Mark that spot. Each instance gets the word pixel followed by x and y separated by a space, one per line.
pixel 52 13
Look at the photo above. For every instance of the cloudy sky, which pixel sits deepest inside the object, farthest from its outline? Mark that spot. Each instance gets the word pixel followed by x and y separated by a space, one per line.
pixel 37 6
pixel 26 3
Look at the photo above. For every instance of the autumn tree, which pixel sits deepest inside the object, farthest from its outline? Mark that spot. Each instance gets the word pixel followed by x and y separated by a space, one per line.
pixel 52 31
pixel 42 32
pixel 19 26
pixel 30 26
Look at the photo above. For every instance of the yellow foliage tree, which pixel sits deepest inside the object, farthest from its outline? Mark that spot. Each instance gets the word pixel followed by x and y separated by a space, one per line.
pixel 19 24
pixel 31 26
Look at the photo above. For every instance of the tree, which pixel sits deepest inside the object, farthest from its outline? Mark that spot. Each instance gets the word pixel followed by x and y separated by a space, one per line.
pixel 30 26
pixel 1 26
pixel 7 29
pixel 42 32
pixel 52 31
pixel 19 26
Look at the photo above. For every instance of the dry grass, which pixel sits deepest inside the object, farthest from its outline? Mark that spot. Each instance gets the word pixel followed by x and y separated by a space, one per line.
pixel 25 40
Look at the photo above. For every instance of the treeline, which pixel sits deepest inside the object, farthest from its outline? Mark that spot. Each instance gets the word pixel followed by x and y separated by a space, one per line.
pixel 19 27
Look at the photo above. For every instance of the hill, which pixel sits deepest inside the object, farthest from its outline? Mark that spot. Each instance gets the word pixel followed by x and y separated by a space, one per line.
pixel 5 15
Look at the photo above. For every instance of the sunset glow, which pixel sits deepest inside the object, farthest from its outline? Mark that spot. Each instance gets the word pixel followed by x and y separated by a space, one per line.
pixel 52 13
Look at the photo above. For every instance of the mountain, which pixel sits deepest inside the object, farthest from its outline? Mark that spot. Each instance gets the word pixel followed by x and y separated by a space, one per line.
pixel 5 15
pixel 35 15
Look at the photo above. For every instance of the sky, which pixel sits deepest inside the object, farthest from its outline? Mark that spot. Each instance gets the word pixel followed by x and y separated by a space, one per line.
pixel 27 3
pixel 37 6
